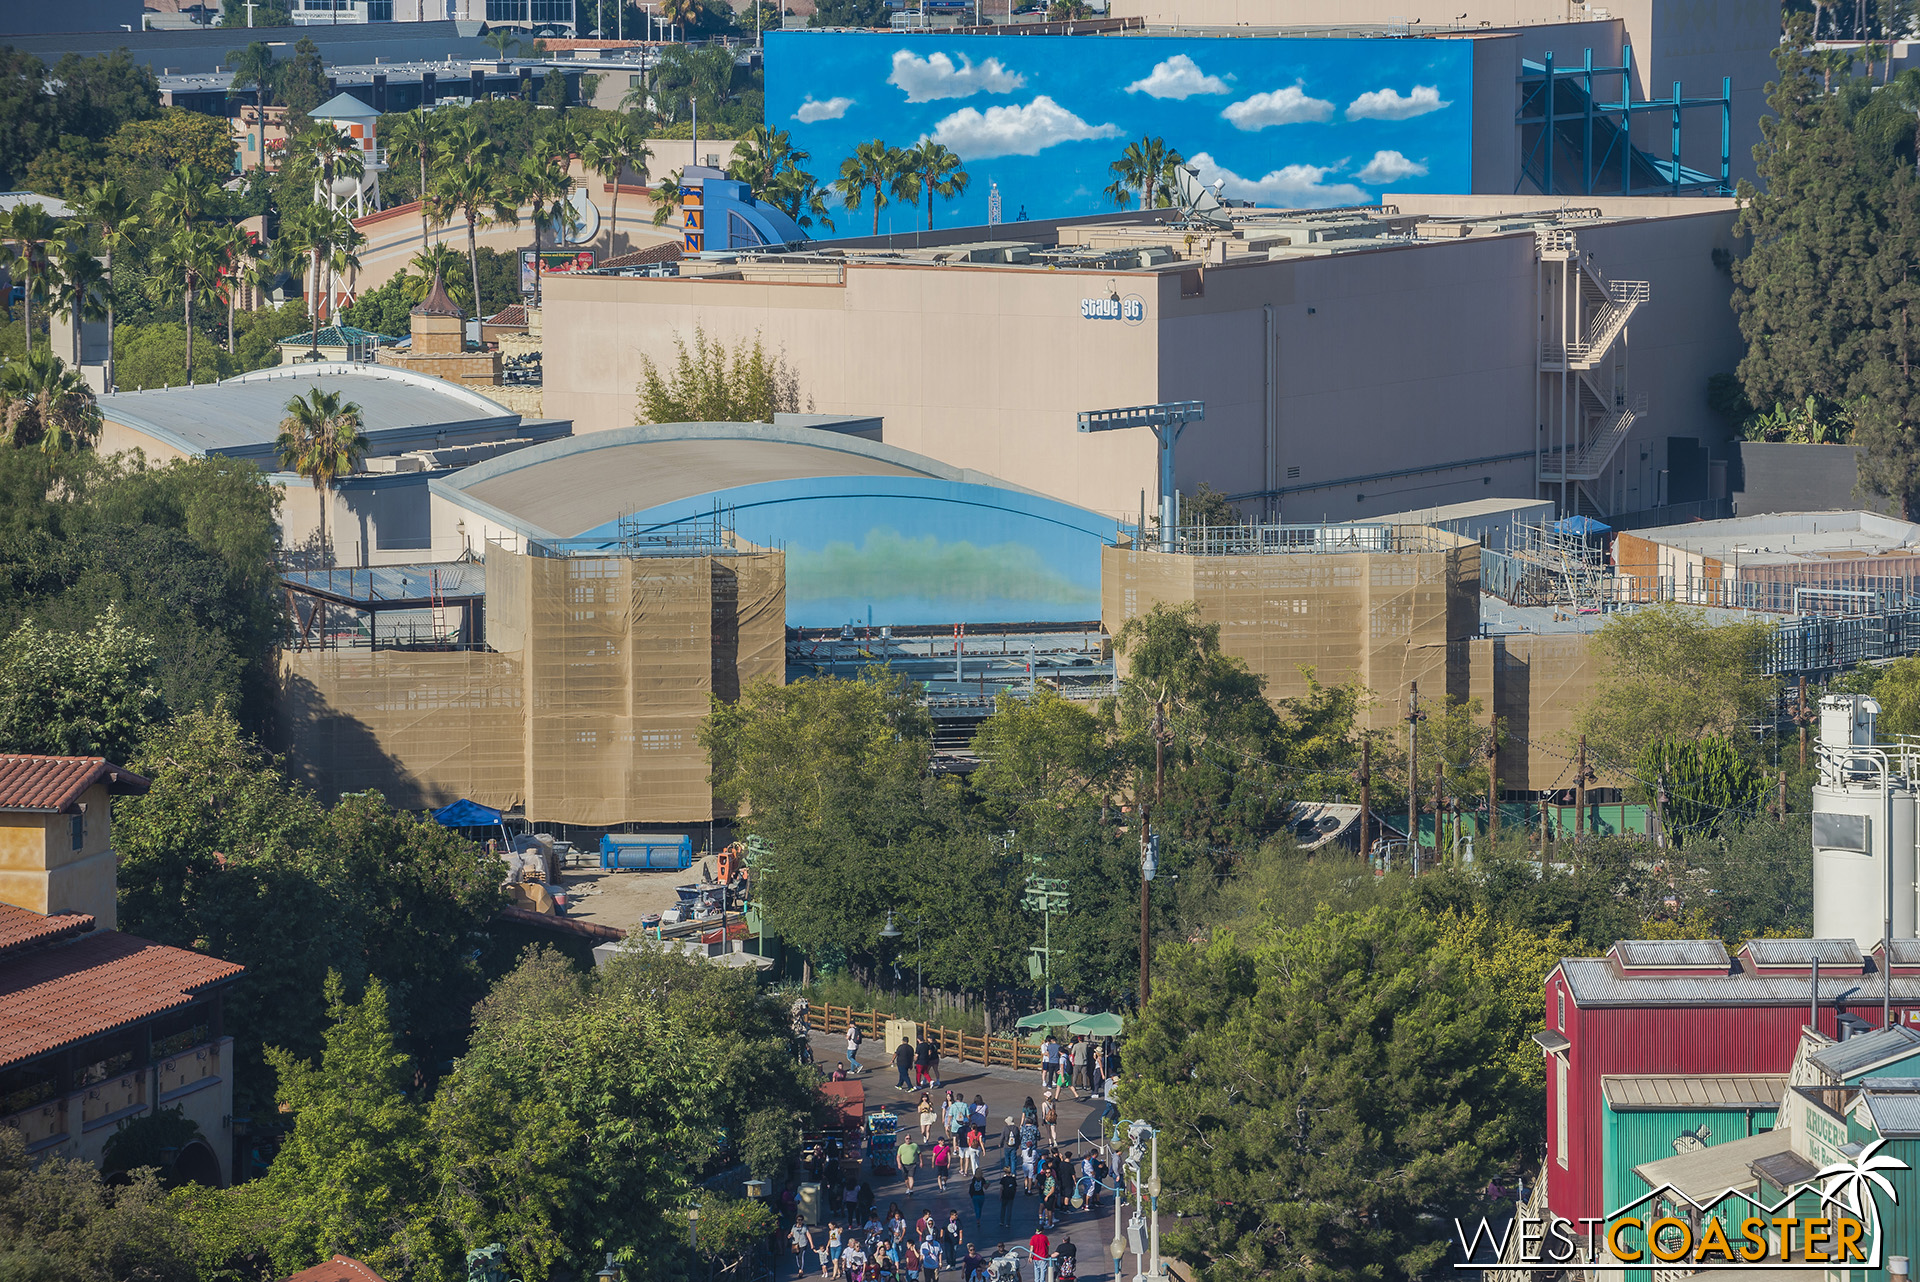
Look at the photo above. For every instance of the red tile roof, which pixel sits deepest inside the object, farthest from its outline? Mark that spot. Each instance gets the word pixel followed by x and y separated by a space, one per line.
pixel 53 784
pixel 55 997
pixel 511 315
pixel 666 252
pixel 20 927
pixel 340 1268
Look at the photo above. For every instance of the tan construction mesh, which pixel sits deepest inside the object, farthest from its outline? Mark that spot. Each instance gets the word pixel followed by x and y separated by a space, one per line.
pixel 589 712
pixel 421 729
pixel 1539 685
pixel 1381 618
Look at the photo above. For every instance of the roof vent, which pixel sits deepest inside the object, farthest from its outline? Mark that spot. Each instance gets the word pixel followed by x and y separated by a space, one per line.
pixel 1685 956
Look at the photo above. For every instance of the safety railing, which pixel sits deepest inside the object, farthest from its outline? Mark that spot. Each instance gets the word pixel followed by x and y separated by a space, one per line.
pixel 974 1048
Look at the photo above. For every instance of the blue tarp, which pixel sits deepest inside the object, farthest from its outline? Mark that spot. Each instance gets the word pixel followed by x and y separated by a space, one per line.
pixel 1581 525
pixel 466 814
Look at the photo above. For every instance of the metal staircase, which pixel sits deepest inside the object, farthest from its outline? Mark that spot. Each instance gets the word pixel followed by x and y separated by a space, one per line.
pixel 1585 411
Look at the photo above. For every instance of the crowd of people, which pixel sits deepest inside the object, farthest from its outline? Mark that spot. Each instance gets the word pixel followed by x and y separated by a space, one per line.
pixel 949 1138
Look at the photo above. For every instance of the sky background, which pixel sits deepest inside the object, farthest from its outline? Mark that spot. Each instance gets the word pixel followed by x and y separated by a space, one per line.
pixel 1288 122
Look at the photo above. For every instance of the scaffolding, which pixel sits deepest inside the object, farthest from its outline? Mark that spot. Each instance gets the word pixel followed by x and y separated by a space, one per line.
pixel 1563 117
pixel 1583 404
pixel 1547 566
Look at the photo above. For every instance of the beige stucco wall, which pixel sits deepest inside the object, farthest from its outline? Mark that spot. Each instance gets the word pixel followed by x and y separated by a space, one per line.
pixel 1383 360
pixel 117 437
pixel 42 872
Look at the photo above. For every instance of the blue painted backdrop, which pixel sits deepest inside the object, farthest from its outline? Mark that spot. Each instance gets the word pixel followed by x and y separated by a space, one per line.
pixel 914 550
pixel 1287 122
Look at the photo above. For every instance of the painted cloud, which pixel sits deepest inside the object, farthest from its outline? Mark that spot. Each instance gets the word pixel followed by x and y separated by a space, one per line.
pixel 1178 77
pixel 1288 106
pixel 812 112
pixel 1290 187
pixel 1015 130
pixel 1390 167
pixel 1387 104
pixel 935 76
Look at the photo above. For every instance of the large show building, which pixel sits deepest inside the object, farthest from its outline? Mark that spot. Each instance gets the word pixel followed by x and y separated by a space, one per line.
pixel 1352 362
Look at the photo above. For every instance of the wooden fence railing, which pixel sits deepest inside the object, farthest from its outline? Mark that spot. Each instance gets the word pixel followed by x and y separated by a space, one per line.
pixel 1008 1052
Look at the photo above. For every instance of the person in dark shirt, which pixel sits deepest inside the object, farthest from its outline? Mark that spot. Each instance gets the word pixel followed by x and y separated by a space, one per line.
pixel 1009 1189
pixel 903 1064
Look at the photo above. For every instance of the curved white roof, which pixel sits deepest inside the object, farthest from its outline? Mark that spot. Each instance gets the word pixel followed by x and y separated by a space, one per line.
pixel 240 417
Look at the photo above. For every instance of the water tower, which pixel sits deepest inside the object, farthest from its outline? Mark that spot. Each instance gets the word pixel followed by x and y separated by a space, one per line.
pixel 358 124
pixel 1864 811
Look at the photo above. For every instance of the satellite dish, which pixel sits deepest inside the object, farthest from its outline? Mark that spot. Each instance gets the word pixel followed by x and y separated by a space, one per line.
pixel 1196 199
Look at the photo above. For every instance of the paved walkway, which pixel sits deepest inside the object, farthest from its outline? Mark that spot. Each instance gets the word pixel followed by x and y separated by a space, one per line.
pixel 1004 1091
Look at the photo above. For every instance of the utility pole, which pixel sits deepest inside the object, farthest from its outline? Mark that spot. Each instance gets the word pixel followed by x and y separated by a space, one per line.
pixel 1413 774
pixel 1783 796
pixel 1148 854
pixel 1493 793
pixel 1439 806
pixel 1366 797
pixel 1580 796
pixel 1800 718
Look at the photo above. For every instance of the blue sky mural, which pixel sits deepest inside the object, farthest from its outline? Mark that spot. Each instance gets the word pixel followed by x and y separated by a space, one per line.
pixel 915 550
pixel 1288 122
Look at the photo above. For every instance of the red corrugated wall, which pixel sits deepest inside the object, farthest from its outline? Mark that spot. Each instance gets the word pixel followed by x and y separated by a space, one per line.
pixel 1662 1039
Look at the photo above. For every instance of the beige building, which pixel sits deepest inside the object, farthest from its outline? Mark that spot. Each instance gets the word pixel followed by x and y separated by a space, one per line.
pixel 1351 362
pixel 56 834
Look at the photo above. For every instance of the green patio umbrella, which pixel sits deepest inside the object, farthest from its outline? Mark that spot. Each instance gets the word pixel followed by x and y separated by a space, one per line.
pixel 1100 1025
pixel 1055 1018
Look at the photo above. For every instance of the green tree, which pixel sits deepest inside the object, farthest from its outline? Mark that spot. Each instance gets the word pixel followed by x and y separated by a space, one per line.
pixel 585 1109
pixel 1667 672
pixel 303 83
pixel 60 1222
pixel 1708 783
pixel 45 404
pixel 95 97
pixel 352 1177
pixel 26 237
pixel 1146 167
pixel 709 384
pixel 111 207
pixel 611 151
pixel 320 439
pixel 866 176
pixel 254 68
pixel 1825 295
pixel 80 291
pixel 145 152
pixel 77 694
pixel 474 188
pixel 1337 1091
pixel 502 41
pixel 416 136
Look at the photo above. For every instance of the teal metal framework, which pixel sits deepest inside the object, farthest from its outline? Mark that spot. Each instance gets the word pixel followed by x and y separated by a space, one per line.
pixel 1558 105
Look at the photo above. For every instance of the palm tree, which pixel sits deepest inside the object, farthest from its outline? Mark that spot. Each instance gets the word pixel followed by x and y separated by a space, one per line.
pixel 80 292
pixel 1146 167
pixel 254 68
pixel 415 134
pixel 185 260
pixel 186 253
pixel 762 156
pixel 320 439
pixel 236 249
pixel 441 262
pixel 610 151
pixel 112 207
pixel 44 403
pixel 940 174
pixel 801 195
pixel 473 188
pixel 32 230
pixel 502 41
pixel 871 167
pixel 666 199
pixel 903 184
pixel 543 182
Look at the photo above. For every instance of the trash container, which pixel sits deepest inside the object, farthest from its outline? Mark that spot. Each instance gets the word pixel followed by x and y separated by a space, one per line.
pixel 811 1201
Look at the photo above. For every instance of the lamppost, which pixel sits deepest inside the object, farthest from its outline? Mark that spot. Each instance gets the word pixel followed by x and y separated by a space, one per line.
pixel 891 931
